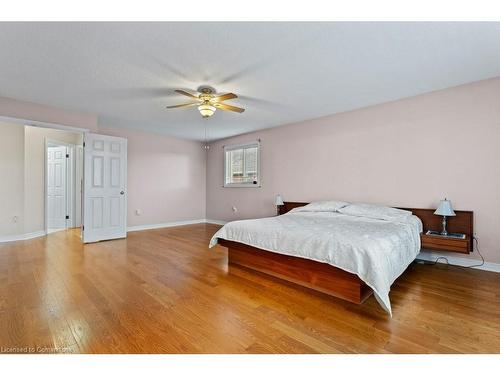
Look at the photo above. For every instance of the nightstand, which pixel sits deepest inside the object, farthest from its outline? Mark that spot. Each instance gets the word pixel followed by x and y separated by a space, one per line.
pixel 442 243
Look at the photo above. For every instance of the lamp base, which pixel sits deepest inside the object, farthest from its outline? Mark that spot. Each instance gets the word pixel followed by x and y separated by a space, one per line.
pixel 444 232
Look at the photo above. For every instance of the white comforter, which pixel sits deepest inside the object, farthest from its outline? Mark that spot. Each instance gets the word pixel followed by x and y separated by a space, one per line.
pixel 378 251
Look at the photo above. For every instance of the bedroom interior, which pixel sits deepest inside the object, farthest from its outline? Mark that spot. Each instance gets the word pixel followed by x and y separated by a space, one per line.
pixel 270 188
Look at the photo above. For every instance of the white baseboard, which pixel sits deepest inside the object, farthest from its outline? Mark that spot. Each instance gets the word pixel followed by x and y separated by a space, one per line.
pixel 213 221
pixel 49 231
pixel 459 261
pixel 21 237
pixel 27 236
pixel 165 225
pixel 174 224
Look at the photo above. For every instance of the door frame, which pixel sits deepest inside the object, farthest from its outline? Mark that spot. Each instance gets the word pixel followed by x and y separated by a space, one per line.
pixel 79 167
pixel 70 182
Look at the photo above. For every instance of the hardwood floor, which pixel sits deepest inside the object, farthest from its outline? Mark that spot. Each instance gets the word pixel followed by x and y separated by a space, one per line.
pixel 163 291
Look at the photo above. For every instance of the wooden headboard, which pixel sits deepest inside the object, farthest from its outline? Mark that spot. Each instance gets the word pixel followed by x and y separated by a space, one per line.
pixel 462 223
pixel 287 206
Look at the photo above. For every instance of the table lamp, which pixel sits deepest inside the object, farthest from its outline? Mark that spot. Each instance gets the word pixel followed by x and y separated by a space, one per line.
pixel 444 209
pixel 278 202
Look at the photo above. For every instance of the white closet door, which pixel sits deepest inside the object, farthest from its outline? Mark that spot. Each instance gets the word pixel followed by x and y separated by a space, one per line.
pixel 105 188
pixel 56 187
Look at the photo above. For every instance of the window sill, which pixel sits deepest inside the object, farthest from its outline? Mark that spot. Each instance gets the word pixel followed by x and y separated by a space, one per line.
pixel 241 186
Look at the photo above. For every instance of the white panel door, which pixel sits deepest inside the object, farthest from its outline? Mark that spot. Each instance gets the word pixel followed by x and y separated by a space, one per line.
pixel 104 188
pixel 56 187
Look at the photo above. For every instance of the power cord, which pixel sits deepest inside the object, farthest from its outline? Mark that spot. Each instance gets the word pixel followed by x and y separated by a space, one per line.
pixel 454 265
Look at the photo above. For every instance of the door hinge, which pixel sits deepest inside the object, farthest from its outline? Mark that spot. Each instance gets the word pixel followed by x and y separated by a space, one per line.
pixel 83 227
pixel 83 144
pixel 67 217
pixel 67 155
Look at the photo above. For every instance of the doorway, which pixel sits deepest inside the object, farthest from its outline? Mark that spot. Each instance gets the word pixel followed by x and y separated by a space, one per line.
pixel 63 185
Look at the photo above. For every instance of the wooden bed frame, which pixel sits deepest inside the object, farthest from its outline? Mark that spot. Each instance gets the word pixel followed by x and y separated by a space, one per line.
pixel 321 276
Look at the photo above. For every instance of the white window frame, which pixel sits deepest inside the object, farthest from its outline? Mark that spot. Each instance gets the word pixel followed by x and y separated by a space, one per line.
pixel 242 146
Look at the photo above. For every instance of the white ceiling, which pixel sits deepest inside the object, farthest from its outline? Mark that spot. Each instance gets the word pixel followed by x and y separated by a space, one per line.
pixel 283 72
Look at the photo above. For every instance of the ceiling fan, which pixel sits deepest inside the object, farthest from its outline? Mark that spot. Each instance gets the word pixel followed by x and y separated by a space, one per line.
pixel 208 102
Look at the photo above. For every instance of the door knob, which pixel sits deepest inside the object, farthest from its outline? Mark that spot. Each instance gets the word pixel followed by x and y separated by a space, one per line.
pixel 122 192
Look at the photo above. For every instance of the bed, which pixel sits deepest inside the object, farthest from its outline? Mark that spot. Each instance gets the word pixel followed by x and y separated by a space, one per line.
pixel 345 250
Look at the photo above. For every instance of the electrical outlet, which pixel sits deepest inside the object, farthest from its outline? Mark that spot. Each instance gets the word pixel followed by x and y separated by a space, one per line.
pixel 234 209
pixel 15 219
pixel 138 211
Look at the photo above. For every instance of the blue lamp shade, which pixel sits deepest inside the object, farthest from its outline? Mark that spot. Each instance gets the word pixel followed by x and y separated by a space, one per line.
pixel 278 201
pixel 445 208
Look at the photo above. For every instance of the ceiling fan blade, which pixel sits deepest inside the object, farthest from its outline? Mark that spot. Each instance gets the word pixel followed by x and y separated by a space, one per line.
pixel 228 107
pixel 182 92
pixel 221 98
pixel 182 105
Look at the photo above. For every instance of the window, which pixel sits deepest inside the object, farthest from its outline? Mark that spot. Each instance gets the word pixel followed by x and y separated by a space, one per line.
pixel 241 165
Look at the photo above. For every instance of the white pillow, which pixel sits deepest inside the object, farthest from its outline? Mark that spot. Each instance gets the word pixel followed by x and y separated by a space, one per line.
pixel 375 212
pixel 322 206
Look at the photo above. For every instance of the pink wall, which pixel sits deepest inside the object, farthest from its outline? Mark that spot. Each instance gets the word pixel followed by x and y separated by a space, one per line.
pixel 38 112
pixel 411 153
pixel 166 178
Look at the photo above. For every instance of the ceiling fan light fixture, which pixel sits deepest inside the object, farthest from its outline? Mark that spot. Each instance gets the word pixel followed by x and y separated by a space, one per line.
pixel 207 101
pixel 206 110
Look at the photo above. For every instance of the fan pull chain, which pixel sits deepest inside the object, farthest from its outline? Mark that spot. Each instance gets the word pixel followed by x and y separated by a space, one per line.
pixel 207 146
